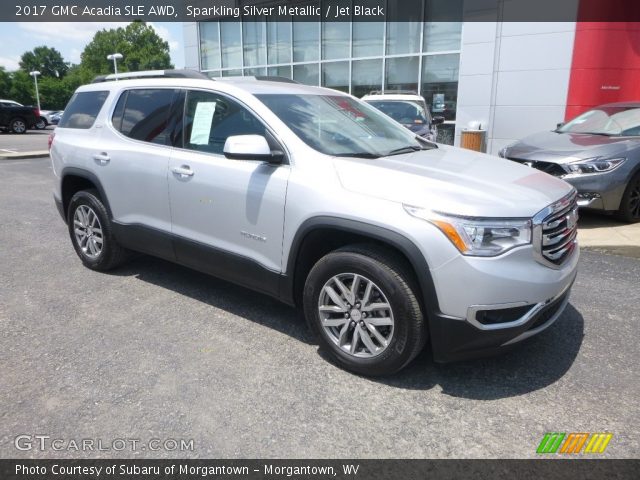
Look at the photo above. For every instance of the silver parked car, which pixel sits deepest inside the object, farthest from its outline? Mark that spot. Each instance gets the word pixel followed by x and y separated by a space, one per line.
pixel 384 240
pixel 597 152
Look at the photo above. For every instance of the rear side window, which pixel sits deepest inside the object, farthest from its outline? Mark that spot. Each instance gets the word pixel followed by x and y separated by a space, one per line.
pixel 83 109
pixel 144 115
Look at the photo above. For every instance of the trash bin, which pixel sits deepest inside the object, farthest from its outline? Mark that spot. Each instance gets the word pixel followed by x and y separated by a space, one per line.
pixel 473 140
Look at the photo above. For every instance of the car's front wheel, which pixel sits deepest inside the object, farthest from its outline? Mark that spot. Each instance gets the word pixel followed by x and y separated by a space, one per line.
pixel 41 124
pixel 361 303
pixel 630 205
pixel 91 232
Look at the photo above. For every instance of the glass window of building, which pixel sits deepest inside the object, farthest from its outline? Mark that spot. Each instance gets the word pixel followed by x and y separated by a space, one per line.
pixel 231 44
pixel 278 42
pixel 402 74
pixel 284 71
pixel 403 37
pixel 307 74
pixel 232 73
pixel 254 40
pixel 255 72
pixel 336 75
pixel 336 37
pixel 306 41
pixel 439 35
pixel 368 39
pixel 366 76
pixel 440 84
pixel 209 45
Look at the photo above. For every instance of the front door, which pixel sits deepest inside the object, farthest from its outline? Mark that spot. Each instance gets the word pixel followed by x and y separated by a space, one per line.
pixel 227 215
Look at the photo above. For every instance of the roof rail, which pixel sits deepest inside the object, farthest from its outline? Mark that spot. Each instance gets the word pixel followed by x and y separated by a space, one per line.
pixel 273 78
pixel 259 78
pixel 152 74
pixel 393 92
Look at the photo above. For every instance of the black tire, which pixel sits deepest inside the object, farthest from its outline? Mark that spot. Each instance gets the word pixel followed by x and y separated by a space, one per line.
pixel 630 204
pixel 394 279
pixel 111 254
pixel 18 125
pixel 41 124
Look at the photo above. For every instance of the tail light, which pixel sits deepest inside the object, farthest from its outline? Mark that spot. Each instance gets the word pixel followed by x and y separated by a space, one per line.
pixel 51 137
pixel 36 112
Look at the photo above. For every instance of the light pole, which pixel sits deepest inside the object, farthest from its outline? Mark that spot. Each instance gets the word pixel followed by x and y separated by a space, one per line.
pixel 115 57
pixel 35 74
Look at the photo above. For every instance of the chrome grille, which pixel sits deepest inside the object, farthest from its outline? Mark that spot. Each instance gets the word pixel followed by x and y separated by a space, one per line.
pixel 551 168
pixel 556 231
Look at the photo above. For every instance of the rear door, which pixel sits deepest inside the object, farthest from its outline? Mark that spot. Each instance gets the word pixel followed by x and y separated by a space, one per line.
pixel 132 158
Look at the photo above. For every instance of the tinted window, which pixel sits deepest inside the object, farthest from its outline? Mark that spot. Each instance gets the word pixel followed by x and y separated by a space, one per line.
pixel 82 110
pixel 211 118
pixel 145 115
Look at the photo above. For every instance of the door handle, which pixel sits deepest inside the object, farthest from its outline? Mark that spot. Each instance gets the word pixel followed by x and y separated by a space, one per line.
pixel 102 158
pixel 183 171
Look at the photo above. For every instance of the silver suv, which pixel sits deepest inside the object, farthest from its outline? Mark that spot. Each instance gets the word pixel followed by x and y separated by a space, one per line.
pixel 386 241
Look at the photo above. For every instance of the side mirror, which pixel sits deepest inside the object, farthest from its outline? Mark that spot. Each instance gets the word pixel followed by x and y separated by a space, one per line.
pixel 560 125
pixel 437 120
pixel 251 147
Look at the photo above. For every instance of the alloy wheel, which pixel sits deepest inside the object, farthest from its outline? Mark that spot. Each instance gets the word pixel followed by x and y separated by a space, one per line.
pixel 356 315
pixel 88 231
pixel 18 126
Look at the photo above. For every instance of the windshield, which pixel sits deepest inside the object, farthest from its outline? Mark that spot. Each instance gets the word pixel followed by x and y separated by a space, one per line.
pixel 405 111
pixel 621 121
pixel 341 126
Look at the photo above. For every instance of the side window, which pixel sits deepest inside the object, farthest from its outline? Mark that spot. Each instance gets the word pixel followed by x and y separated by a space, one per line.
pixel 144 115
pixel 210 118
pixel 82 110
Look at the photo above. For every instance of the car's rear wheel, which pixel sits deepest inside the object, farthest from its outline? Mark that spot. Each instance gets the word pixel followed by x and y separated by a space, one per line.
pixel 91 232
pixel 361 303
pixel 630 205
pixel 17 125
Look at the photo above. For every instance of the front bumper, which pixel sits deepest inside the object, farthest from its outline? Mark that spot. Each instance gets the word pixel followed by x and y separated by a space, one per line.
pixel 455 340
pixel 501 302
pixel 599 191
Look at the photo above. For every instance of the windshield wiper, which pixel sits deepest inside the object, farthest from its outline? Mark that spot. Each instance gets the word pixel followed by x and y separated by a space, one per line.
pixel 407 149
pixel 358 155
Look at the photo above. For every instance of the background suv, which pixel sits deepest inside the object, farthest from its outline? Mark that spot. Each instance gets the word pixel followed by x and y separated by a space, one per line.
pixel 409 109
pixel 314 197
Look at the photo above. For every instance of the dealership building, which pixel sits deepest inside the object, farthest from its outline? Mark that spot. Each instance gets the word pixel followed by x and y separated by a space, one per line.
pixel 508 78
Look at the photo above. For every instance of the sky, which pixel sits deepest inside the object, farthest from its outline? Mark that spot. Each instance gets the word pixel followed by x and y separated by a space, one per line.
pixel 71 38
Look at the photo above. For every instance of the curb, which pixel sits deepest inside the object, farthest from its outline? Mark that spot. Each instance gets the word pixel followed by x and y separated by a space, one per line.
pixel 21 155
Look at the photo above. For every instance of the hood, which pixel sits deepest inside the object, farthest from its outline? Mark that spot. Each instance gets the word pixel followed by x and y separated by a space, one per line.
pixel 567 147
pixel 453 180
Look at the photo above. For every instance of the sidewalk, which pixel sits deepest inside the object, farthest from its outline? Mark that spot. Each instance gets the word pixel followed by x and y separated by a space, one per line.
pixel 607 234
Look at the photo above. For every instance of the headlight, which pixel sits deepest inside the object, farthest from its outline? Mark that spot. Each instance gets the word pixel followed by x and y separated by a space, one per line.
pixel 478 237
pixel 594 165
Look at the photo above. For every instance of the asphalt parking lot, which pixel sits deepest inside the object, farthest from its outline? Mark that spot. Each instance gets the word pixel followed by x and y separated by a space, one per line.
pixel 154 350
pixel 31 140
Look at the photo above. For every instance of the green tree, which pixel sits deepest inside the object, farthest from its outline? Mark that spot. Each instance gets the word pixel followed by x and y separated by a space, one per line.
pixel 5 83
pixel 48 61
pixel 141 47
pixel 22 88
